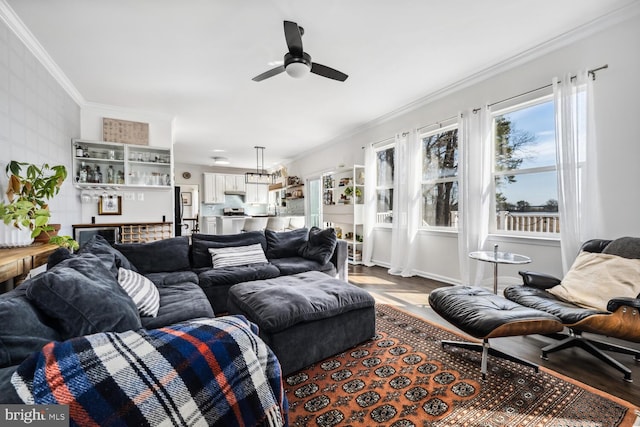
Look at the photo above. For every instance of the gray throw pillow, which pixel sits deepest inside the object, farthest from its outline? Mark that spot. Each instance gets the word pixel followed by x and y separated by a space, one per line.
pixel 23 328
pixel 626 247
pixel 156 257
pixel 285 244
pixel 110 257
pixel 84 298
pixel 320 246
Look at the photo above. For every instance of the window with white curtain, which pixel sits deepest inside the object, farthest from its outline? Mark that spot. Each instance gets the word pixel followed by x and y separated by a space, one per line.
pixel 525 173
pixel 385 164
pixel 439 206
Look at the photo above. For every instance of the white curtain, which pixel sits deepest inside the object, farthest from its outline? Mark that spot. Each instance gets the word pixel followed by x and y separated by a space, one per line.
pixel 578 188
pixel 474 190
pixel 406 204
pixel 370 208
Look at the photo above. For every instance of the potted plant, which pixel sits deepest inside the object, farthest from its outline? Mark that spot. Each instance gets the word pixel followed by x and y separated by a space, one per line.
pixel 349 191
pixel 28 193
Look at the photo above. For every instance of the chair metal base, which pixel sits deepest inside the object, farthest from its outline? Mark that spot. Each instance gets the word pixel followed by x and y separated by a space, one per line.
pixel 486 349
pixel 575 339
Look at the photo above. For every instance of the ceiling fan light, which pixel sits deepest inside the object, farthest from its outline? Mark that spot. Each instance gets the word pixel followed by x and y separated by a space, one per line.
pixel 220 161
pixel 298 70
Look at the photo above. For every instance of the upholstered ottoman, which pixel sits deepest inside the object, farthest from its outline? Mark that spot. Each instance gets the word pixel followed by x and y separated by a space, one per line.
pixel 483 314
pixel 305 317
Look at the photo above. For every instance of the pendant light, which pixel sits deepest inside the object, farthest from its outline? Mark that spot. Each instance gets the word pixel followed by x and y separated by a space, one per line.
pixel 260 176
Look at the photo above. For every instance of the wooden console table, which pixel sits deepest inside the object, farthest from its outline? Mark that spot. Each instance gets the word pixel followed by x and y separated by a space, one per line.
pixel 15 263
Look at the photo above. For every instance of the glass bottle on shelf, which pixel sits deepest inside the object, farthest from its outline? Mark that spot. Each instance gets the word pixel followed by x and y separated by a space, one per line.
pixel 82 174
pixel 97 177
pixel 79 151
pixel 110 175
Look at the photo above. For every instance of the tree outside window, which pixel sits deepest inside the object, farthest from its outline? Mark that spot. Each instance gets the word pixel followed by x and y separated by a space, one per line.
pixel 385 165
pixel 525 169
pixel 440 178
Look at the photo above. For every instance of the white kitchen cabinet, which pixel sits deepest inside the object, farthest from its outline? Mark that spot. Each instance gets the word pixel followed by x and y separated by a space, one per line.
pixel 257 194
pixel 214 187
pixel 234 184
pixel 209 225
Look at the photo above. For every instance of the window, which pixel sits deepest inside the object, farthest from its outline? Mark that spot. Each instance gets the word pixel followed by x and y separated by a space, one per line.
pixel 526 196
pixel 440 178
pixel 385 164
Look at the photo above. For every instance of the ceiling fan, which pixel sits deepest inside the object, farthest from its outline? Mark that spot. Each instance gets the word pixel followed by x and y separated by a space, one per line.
pixel 297 63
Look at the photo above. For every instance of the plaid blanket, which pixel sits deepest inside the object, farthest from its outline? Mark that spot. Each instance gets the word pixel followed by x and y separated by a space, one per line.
pixel 203 372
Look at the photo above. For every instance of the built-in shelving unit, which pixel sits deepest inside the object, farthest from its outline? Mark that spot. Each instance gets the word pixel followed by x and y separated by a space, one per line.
pixel 112 164
pixel 343 207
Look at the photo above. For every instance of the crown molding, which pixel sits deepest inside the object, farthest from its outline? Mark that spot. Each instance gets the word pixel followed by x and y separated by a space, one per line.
pixel 24 34
pixel 585 30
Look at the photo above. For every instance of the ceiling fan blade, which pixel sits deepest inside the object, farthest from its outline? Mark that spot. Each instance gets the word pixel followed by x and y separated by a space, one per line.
pixel 324 71
pixel 294 38
pixel 270 73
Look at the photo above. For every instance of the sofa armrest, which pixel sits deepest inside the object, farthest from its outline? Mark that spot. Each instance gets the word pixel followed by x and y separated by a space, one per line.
pixel 339 259
pixel 616 303
pixel 539 280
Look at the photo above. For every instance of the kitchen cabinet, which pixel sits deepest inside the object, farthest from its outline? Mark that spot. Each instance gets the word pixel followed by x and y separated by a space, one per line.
pixel 234 184
pixel 209 224
pixel 214 187
pixel 257 194
pixel 112 164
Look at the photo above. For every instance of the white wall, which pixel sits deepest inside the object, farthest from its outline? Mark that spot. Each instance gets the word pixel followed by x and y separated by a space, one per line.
pixel 618 127
pixel 37 121
pixel 142 205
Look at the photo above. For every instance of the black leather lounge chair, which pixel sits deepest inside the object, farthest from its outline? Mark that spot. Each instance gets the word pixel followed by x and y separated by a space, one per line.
pixel 620 320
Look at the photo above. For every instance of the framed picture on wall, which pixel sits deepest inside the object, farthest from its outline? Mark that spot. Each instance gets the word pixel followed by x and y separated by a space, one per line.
pixel 110 205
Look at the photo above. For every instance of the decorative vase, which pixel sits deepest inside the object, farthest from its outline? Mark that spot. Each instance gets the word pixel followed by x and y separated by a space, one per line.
pixel 11 237
pixel 44 237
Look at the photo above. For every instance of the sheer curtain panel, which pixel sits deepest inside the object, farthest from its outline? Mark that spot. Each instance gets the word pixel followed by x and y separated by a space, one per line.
pixel 370 208
pixel 474 172
pixel 578 178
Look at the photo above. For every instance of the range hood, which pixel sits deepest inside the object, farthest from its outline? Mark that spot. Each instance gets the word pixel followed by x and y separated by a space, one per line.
pixel 235 192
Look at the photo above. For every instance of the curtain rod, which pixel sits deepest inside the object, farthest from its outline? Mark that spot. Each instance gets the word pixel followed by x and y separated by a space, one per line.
pixel 438 123
pixel 591 72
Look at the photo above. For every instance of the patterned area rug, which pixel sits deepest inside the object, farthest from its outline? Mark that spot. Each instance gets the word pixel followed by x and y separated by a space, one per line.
pixel 404 378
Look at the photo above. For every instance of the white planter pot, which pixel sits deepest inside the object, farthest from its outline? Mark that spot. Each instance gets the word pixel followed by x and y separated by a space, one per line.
pixel 11 237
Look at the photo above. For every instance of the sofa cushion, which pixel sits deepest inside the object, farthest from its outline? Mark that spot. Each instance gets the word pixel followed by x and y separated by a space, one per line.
pixel 23 327
pixel 172 278
pixel 320 245
pixel 111 257
pixel 234 256
pixel 595 278
pixel 141 290
pixel 285 244
pixel 159 256
pixel 84 298
pixel 200 244
pixel 626 247
pixel 298 264
pixel 309 296
pixel 179 302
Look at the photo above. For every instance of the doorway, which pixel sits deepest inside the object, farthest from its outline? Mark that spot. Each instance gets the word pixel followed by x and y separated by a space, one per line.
pixel 187 209
pixel 314 204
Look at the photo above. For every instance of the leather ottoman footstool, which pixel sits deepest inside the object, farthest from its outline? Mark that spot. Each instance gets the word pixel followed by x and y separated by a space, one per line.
pixel 305 317
pixel 483 314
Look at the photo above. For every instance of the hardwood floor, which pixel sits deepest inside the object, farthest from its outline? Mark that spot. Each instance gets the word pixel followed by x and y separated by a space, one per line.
pixel 411 294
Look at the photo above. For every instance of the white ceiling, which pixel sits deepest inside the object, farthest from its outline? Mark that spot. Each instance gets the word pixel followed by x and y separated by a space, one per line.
pixel 194 60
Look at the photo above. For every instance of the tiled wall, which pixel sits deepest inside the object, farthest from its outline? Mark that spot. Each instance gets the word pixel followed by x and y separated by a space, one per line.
pixel 37 121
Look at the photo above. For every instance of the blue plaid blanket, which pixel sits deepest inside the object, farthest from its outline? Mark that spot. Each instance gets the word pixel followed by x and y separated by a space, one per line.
pixel 204 372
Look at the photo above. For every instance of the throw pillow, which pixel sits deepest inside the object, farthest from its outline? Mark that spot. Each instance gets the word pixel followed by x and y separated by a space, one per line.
pixel 84 298
pixel 110 257
pixel 23 328
pixel 320 246
pixel 627 247
pixel 156 257
pixel 595 278
pixel 141 290
pixel 285 244
pixel 200 244
pixel 237 255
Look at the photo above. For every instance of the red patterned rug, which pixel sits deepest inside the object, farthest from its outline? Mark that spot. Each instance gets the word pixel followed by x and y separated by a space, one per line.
pixel 404 378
